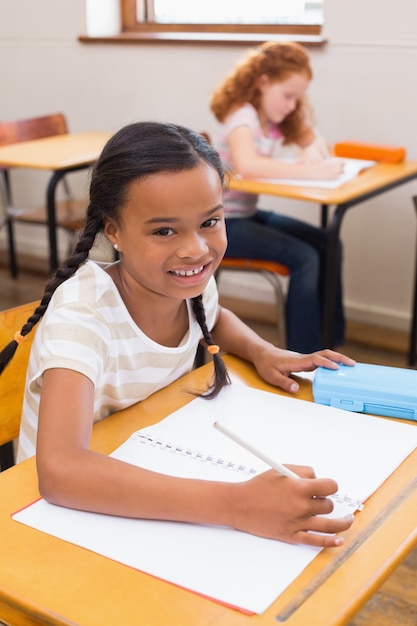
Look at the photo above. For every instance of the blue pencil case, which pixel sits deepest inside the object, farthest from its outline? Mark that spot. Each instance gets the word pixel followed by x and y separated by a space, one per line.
pixel 365 388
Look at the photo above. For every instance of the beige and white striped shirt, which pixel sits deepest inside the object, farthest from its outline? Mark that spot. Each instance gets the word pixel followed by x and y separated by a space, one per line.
pixel 87 328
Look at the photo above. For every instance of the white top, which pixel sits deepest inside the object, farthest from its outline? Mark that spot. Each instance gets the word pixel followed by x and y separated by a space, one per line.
pixel 239 203
pixel 88 329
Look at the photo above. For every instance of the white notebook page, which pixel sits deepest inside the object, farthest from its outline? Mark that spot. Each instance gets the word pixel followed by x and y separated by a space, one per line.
pixel 247 572
pixel 352 167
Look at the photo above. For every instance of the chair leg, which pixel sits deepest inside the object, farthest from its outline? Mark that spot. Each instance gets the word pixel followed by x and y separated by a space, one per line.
pixel 12 249
pixel 274 280
pixel 9 223
pixel 6 456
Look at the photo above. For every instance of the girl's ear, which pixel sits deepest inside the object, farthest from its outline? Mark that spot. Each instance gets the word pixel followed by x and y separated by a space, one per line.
pixel 110 231
pixel 263 81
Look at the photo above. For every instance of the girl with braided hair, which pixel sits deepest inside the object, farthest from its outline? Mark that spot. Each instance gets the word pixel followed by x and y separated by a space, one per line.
pixel 110 335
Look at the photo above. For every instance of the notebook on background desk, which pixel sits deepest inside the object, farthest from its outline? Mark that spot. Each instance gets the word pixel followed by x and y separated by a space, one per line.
pixel 232 567
pixel 352 167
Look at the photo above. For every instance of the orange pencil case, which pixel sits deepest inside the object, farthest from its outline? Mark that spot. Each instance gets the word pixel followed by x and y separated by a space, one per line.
pixel 369 151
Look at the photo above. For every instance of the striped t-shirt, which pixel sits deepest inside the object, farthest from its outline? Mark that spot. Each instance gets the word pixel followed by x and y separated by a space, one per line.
pixel 88 329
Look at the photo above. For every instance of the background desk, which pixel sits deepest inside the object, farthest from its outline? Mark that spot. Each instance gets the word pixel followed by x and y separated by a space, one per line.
pixel 47 581
pixel 368 184
pixel 60 154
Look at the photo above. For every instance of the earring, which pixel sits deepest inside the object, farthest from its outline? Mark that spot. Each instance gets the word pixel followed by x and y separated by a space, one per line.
pixel 116 246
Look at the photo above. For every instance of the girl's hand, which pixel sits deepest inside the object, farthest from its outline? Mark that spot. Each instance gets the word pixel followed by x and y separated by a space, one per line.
pixel 276 507
pixel 316 151
pixel 275 366
pixel 327 169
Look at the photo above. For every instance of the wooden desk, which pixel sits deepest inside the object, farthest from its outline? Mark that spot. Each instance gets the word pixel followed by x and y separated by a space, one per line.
pixel 60 154
pixel 368 184
pixel 47 581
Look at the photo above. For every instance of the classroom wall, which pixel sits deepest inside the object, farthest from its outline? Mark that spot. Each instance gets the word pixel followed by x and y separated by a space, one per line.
pixel 364 88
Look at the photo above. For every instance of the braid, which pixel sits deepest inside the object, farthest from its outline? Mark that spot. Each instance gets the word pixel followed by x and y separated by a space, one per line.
pixel 67 269
pixel 221 377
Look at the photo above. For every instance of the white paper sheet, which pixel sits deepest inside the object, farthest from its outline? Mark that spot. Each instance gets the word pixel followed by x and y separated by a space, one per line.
pixel 359 451
pixel 352 167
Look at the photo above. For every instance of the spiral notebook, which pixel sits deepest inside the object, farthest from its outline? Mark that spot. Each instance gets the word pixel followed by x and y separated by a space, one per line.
pixel 238 569
pixel 209 466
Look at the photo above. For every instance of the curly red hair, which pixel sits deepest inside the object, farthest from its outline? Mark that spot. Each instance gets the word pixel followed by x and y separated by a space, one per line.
pixel 278 60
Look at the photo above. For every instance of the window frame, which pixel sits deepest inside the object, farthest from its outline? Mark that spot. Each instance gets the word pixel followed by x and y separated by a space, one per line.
pixel 134 31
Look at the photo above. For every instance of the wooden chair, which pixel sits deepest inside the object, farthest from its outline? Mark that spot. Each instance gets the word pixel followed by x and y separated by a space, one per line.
pixel 273 272
pixel 270 270
pixel 70 213
pixel 12 380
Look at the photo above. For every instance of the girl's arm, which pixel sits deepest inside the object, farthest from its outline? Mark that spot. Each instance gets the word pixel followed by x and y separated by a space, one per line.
pixel 72 475
pixel 314 148
pixel 249 164
pixel 273 364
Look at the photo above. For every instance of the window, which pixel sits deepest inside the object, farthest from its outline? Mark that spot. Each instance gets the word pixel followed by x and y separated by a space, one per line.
pixel 239 20
pixel 229 12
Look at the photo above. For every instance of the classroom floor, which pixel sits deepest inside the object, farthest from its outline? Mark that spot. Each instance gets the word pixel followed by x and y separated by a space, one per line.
pixel 396 602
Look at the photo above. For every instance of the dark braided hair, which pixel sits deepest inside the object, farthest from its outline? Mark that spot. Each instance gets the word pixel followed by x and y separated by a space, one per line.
pixel 133 153
pixel 221 377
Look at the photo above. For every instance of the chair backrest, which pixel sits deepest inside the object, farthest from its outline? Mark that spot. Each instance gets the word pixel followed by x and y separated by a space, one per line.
pixel 206 136
pixel 256 265
pixel 32 128
pixel 12 380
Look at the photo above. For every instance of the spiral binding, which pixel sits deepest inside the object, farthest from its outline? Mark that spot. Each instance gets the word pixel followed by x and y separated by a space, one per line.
pixel 345 499
pixel 167 446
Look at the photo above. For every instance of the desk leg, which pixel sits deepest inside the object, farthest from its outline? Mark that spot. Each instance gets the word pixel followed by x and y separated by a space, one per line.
pixel 9 222
pixel 51 207
pixel 324 215
pixel 50 203
pixel 413 330
pixel 330 286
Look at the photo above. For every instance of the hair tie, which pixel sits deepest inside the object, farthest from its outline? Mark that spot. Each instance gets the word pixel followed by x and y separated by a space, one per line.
pixel 18 337
pixel 213 349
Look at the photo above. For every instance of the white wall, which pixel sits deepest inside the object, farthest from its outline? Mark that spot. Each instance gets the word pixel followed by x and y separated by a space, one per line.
pixel 364 88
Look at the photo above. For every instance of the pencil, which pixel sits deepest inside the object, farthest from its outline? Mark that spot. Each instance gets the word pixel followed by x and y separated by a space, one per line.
pixel 281 469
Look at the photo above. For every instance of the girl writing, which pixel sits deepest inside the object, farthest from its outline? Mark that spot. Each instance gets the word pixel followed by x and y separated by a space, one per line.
pixel 261 103
pixel 110 335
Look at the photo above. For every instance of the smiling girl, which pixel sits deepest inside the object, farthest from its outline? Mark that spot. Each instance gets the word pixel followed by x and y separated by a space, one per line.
pixel 261 104
pixel 110 335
